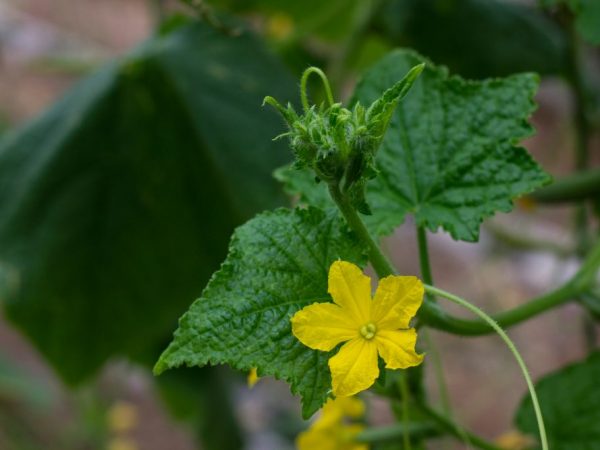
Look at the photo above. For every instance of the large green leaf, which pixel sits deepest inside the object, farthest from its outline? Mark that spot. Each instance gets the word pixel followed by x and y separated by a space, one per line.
pixel 587 17
pixel 478 38
pixel 449 156
pixel 331 20
pixel 117 204
pixel 277 264
pixel 570 402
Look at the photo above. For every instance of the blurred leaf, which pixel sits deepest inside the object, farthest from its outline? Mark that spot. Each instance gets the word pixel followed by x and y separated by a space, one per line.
pixel 591 301
pixel 478 38
pixel 20 387
pixel 117 204
pixel 277 264
pixel 201 397
pixel 449 156
pixel 587 16
pixel 587 19
pixel 570 402
pixel 331 20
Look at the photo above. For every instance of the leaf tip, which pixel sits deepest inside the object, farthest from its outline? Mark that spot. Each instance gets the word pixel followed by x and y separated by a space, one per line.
pixel 159 367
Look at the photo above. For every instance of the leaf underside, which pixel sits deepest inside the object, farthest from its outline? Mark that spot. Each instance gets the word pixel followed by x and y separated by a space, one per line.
pixel 277 264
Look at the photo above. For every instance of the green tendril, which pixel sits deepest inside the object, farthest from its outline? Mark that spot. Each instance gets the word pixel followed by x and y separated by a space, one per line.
pixel 303 95
pixel 511 346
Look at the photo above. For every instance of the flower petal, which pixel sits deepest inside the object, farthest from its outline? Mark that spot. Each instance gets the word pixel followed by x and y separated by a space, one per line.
pixel 351 289
pixel 322 326
pixel 354 368
pixel 397 348
pixel 335 410
pixel 396 301
pixel 317 438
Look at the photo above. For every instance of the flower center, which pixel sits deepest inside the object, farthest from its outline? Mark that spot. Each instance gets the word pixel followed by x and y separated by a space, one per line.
pixel 368 331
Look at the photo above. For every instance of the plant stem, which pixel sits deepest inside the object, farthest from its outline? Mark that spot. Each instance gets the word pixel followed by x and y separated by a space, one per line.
pixel 511 346
pixel 578 186
pixel 380 263
pixel 405 403
pixel 446 425
pixel 391 433
pixel 434 316
pixel 424 255
pixel 426 275
pixel 582 135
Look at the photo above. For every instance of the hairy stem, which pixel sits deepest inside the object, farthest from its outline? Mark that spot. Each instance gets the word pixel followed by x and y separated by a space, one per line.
pixel 380 263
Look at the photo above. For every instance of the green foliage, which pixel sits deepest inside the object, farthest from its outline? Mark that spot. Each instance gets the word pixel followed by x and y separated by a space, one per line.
pixel 339 145
pixel 570 400
pixel 450 155
pixel 587 17
pixel 118 203
pixel 201 397
pixel 278 263
pixel 478 38
pixel 331 20
pixel 587 20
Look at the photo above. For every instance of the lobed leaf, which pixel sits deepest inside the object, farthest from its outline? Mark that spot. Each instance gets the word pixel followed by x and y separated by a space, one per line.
pixel 450 155
pixel 277 264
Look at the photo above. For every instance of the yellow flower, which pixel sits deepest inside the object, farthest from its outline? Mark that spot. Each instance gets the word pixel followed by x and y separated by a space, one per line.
pixel 514 440
pixel 371 327
pixel 331 431
pixel 336 410
pixel 122 417
pixel 252 377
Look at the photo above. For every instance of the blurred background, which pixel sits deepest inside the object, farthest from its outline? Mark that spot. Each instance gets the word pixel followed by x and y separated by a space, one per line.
pixel 132 142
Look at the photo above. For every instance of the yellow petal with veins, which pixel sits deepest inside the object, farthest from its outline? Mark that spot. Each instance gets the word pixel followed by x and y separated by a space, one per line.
pixel 397 348
pixel 322 326
pixel 354 368
pixel 351 289
pixel 396 301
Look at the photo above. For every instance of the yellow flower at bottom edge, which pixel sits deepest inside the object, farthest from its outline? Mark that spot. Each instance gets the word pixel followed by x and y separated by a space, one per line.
pixel 371 327
pixel 331 431
pixel 340 437
pixel 252 378
pixel 335 411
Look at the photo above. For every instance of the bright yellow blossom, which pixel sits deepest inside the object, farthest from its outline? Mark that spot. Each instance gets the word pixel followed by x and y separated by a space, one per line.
pixel 331 431
pixel 371 327
pixel 252 377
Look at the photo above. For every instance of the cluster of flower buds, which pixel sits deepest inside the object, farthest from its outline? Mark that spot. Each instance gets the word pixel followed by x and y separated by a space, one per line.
pixel 340 144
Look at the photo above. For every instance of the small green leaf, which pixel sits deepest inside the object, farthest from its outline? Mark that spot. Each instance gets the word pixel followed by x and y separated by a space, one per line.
pixel 449 156
pixel 278 263
pixel 570 402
